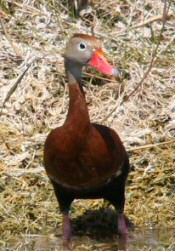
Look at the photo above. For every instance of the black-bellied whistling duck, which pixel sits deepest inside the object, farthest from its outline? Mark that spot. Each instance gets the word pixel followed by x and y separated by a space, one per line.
pixel 84 159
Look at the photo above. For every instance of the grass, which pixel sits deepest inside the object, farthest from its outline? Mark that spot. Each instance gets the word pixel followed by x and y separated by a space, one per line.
pixel 143 113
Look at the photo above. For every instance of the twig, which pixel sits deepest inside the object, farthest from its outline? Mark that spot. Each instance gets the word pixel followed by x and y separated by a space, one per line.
pixel 153 19
pixel 19 172
pixel 151 145
pixel 154 56
pixel 113 80
pixel 28 9
pixel 14 47
pixel 6 144
pixel 16 84
pixel 153 60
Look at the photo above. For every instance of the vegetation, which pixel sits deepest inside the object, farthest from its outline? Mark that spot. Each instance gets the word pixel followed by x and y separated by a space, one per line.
pixel 140 40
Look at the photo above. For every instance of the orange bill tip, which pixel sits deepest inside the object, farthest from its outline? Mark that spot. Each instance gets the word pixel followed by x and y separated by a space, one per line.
pixel 100 63
pixel 100 52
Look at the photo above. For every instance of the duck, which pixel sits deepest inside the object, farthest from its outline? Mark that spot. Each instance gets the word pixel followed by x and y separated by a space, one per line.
pixel 85 160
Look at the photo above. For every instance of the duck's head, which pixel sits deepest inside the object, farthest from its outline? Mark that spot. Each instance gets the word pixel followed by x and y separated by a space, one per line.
pixel 83 50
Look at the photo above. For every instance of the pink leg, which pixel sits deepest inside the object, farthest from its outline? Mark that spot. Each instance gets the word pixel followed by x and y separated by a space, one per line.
pixel 123 242
pixel 66 231
pixel 122 228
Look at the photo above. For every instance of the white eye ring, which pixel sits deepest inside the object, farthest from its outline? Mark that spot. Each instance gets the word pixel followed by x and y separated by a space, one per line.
pixel 82 46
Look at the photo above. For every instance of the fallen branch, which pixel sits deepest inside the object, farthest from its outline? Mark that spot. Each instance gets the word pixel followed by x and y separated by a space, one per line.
pixel 13 45
pixel 153 59
pixel 151 145
pixel 153 19
pixel 16 84
pixel 154 56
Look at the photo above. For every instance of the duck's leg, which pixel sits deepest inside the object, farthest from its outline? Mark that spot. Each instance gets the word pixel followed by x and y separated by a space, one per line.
pixel 122 228
pixel 117 198
pixel 67 231
pixel 66 225
pixel 64 201
pixel 119 204
pixel 120 199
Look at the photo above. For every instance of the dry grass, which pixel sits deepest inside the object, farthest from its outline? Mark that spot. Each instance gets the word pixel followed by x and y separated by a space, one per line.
pixel 35 32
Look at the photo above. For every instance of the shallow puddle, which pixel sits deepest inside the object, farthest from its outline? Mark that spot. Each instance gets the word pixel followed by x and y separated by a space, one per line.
pixel 140 239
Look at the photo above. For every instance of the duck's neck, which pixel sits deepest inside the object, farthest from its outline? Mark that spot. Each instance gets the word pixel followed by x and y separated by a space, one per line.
pixel 78 115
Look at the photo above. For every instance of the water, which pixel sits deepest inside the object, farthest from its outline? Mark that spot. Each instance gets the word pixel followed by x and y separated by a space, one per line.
pixel 139 240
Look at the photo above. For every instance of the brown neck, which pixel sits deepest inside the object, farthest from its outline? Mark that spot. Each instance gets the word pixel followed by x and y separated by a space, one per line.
pixel 78 116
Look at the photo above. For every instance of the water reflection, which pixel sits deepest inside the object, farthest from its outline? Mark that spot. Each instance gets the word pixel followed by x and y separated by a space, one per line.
pixel 81 243
pixel 140 239
pixel 123 242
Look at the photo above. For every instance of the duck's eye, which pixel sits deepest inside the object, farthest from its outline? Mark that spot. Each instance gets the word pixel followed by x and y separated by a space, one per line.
pixel 82 46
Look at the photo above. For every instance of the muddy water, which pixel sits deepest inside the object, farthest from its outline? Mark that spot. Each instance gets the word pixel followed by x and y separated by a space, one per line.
pixel 139 240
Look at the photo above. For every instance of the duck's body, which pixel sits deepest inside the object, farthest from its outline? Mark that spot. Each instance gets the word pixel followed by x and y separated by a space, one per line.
pixel 82 159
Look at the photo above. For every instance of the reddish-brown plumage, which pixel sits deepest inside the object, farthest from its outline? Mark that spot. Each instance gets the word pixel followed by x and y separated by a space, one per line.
pixel 82 159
